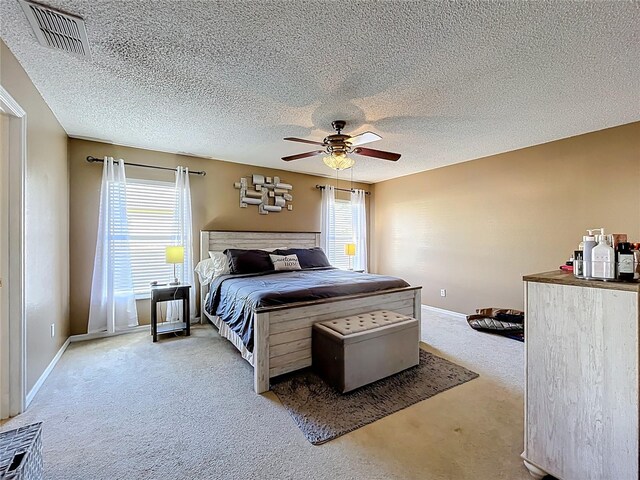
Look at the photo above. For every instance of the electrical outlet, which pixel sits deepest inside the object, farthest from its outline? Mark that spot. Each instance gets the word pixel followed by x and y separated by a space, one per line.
pixel 53 330
pixel 443 292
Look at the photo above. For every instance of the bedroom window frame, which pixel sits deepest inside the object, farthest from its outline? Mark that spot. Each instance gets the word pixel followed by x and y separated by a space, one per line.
pixel 343 221
pixel 138 236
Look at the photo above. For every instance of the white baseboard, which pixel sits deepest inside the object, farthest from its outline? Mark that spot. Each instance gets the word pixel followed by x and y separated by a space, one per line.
pixel 446 312
pixel 31 395
pixel 92 336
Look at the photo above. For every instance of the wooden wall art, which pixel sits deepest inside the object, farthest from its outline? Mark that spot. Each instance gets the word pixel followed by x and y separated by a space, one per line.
pixel 263 189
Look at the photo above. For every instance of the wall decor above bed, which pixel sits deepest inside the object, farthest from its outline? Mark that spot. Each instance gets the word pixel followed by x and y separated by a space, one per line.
pixel 261 190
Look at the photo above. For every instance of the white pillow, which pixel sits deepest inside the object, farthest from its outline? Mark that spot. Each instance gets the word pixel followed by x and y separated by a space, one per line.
pixel 220 263
pixel 205 270
pixel 285 262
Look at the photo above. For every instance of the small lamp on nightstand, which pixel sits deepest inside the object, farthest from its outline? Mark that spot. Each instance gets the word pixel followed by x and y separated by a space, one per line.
pixel 350 251
pixel 174 255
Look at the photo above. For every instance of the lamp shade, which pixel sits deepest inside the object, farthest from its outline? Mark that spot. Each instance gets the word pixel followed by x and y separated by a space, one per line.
pixel 350 249
pixel 174 254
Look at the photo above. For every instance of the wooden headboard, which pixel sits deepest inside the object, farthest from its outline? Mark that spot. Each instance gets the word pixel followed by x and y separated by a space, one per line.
pixel 218 241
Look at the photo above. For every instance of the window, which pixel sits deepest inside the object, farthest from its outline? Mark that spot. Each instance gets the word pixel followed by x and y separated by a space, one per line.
pixel 151 215
pixel 343 234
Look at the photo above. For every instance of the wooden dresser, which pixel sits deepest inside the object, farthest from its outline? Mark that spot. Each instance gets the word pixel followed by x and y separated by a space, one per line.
pixel 581 378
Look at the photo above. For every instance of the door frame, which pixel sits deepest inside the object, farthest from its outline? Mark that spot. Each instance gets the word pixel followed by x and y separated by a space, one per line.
pixel 13 387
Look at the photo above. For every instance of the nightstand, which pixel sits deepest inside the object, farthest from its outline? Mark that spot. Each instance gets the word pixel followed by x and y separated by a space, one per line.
pixel 168 293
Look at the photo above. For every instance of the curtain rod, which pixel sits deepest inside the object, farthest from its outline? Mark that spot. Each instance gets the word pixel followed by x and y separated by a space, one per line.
pixel 321 187
pixel 91 159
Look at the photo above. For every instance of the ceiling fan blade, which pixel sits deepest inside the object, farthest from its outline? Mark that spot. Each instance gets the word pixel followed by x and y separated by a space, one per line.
pixel 302 155
pixel 370 152
pixel 366 137
pixel 302 140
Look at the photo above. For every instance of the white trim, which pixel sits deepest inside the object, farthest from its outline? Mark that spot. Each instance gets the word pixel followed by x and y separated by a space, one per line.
pixel 4 267
pixel 45 374
pixel 83 337
pixel 16 342
pixel 9 105
pixel 442 310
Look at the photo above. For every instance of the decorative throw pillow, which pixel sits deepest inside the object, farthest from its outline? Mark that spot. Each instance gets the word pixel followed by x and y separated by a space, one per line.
pixel 248 261
pixel 220 263
pixel 308 257
pixel 285 262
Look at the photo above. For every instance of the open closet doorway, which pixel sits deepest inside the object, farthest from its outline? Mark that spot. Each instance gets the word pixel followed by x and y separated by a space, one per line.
pixel 12 312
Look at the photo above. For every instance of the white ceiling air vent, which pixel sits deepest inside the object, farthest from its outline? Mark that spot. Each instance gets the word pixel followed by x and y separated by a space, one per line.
pixel 55 29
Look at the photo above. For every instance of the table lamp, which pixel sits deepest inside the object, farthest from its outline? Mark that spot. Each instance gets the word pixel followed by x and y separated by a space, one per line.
pixel 350 251
pixel 174 255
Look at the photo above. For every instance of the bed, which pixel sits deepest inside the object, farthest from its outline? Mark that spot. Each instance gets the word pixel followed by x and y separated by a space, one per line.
pixel 281 329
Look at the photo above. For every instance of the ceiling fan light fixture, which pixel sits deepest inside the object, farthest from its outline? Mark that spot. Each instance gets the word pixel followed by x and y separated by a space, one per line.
pixel 338 161
pixel 338 146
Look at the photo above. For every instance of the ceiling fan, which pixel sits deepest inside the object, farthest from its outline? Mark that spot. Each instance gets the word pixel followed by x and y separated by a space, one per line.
pixel 338 146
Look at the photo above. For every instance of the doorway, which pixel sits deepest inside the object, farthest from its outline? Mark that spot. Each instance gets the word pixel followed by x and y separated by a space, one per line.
pixel 12 311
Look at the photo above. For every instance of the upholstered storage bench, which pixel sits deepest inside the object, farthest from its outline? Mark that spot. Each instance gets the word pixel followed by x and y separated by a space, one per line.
pixel 353 351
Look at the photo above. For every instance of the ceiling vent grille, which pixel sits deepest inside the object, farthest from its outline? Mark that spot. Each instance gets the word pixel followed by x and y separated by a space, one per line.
pixel 55 29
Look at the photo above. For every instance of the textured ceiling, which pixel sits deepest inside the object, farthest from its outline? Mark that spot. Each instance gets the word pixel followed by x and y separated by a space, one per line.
pixel 442 82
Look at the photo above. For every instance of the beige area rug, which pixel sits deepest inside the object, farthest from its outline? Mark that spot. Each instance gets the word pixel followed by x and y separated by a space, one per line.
pixel 324 414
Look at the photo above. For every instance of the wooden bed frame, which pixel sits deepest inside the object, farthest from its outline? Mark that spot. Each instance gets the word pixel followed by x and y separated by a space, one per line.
pixel 282 334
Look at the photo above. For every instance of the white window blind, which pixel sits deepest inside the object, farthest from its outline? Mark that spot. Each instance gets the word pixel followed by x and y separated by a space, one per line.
pixel 343 235
pixel 117 237
pixel 150 211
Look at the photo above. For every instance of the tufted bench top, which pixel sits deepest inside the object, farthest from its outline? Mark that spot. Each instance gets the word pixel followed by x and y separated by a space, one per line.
pixel 359 349
pixel 364 322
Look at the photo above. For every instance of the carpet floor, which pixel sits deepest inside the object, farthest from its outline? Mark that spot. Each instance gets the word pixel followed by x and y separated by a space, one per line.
pixel 323 414
pixel 184 408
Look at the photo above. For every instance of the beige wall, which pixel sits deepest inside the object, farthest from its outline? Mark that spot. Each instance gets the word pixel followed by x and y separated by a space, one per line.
pixel 215 205
pixel 475 228
pixel 47 220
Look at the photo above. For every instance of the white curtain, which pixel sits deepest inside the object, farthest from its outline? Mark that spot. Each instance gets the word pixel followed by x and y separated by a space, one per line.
pixel 359 221
pixel 328 220
pixel 113 303
pixel 184 238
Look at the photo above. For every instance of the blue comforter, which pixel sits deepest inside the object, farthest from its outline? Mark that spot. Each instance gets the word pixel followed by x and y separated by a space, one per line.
pixel 234 298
